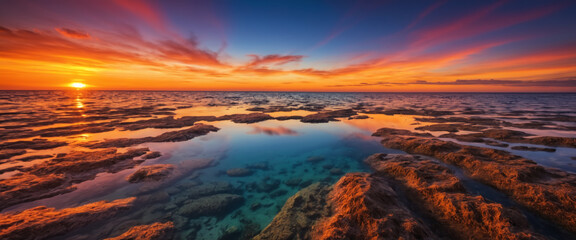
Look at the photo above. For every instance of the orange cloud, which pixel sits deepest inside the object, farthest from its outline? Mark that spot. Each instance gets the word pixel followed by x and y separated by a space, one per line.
pixel 67 32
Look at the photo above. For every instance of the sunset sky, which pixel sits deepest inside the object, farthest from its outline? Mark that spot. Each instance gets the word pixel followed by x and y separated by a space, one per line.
pixel 283 45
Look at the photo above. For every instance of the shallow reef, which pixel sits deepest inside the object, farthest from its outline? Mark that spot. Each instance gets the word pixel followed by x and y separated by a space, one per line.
pixel 248 165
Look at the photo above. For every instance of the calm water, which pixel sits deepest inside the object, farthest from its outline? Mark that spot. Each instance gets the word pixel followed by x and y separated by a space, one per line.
pixel 282 146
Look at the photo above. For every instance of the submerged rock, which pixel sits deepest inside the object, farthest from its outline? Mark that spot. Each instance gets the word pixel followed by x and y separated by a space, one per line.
pixel 259 166
pixel 239 172
pixel 155 231
pixel 214 205
pixel 151 173
pixel 208 189
pixel 231 233
pixel 292 182
pixel 42 222
pixel 550 192
pixel 266 185
pixel 336 171
pixel 152 155
pixel 315 159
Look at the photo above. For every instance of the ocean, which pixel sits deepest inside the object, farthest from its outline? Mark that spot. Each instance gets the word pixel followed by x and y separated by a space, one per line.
pixel 240 175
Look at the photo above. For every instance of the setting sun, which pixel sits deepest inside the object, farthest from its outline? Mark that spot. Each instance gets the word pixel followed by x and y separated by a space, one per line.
pixel 77 85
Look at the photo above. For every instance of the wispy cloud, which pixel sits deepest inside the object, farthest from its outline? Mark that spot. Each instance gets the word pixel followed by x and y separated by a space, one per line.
pixel 272 60
pixel 67 32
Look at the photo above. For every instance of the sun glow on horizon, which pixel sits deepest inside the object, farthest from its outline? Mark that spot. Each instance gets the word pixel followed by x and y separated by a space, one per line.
pixel 77 85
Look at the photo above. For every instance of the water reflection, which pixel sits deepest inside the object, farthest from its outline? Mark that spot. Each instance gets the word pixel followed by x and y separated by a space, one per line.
pixel 79 101
pixel 273 131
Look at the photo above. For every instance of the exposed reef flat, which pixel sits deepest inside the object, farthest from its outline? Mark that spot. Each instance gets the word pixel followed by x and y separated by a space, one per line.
pixel 174 136
pixel 372 206
pixel 550 192
pixel 366 207
pixel 451 127
pixel 155 231
pixel 442 194
pixel 36 144
pixel 184 192
pixel 513 136
pixel 151 173
pixel 43 222
pixel 533 123
pixel 8 153
pixel 59 175
pixel 328 116
pixel 404 111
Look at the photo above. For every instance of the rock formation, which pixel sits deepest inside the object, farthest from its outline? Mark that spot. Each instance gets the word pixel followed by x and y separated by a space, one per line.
pixel 151 173
pixel 155 231
pixel 43 222
pixel 549 192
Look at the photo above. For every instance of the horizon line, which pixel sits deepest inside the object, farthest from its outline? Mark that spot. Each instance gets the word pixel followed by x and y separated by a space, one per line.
pixel 265 91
